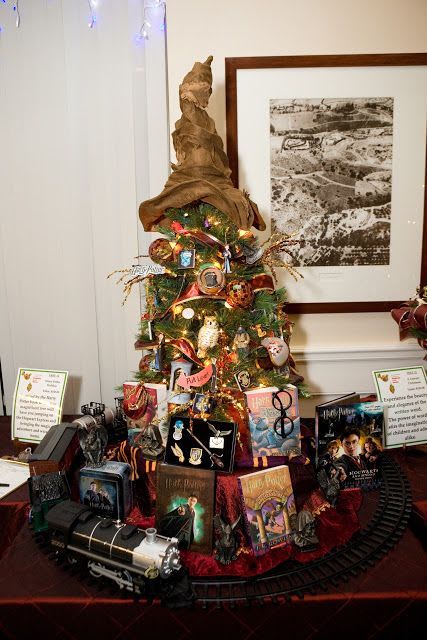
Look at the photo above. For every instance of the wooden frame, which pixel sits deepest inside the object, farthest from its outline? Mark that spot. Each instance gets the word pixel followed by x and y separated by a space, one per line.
pixel 234 65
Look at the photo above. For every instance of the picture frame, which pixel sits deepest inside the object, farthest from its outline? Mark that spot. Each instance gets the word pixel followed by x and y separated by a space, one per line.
pixel 386 258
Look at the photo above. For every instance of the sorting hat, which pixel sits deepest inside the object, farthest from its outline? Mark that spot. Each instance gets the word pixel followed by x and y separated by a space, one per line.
pixel 202 171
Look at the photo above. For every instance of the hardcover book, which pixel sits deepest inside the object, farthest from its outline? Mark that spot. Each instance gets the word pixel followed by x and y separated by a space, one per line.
pixel 269 507
pixel 270 435
pixel 349 443
pixel 185 504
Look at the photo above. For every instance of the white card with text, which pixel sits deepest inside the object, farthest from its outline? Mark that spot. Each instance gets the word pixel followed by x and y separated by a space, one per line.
pixel 37 403
pixel 404 391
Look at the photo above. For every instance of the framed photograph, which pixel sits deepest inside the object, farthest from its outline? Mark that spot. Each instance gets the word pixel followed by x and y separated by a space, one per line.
pixel 333 150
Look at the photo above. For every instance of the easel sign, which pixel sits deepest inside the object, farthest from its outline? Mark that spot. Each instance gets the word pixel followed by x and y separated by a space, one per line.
pixel 37 403
pixel 404 391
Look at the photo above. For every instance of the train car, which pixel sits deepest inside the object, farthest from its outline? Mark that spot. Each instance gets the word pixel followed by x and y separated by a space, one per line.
pixel 121 552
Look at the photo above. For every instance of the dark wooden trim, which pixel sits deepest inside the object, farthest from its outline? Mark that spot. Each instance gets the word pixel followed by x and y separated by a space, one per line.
pixel 232 65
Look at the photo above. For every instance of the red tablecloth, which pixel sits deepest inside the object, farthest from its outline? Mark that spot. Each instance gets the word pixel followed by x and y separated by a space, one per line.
pixel 39 599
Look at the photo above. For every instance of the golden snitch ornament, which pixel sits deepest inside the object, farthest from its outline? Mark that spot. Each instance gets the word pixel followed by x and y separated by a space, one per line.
pixel 239 293
pixel 208 336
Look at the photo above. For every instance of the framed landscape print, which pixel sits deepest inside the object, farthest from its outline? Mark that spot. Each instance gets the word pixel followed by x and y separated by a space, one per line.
pixel 333 150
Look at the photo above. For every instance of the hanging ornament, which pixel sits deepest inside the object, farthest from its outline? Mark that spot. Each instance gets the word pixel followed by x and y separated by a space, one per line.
pixel 187 313
pixel 160 251
pixel 208 335
pixel 239 293
pixel 206 223
pixel 260 331
pixel 226 254
pixel 186 259
pixel 277 349
pixel 241 343
pixel 210 280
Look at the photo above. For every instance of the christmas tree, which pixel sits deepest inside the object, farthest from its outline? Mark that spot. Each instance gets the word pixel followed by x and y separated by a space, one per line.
pixel 212 310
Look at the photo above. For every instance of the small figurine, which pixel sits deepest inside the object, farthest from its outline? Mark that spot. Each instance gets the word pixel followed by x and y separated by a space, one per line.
pixel 158 358
pixel 226 544
pixel 329 481
pixel 226 254
pixel 149 440
pixel 93 442
pixel 208 336
pixel 241 343
pixel 305 536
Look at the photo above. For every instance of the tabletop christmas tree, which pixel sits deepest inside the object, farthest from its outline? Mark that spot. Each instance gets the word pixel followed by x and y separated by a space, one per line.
pixel 214 323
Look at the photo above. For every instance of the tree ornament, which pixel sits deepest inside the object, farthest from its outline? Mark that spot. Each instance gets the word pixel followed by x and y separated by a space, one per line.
pixel 208 335
pixel 160 251
pixel 239 293
pixel 210 280
pixel 277 349
pixel 188 313
pixel 226 254
pixel 207 223
pixel 241 343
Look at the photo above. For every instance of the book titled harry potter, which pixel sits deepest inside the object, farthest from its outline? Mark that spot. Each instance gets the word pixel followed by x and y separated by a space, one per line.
pixel 349 443
pixel 184 506
pixel 274 421
pixel 269 507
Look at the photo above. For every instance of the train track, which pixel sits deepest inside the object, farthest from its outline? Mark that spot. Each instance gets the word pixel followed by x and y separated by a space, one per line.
pixel 364 549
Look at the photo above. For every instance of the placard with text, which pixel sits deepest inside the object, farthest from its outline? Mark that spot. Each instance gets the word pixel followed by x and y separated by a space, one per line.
pixel 37 403
pixel 404 391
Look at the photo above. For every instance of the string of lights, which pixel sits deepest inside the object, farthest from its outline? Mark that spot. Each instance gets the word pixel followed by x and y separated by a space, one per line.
pixel 143 33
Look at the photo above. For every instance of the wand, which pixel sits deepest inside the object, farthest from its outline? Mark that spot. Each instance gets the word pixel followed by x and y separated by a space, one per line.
pixel 215 459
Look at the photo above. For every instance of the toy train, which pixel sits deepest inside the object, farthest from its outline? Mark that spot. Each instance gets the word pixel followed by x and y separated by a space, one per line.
pixel 129 556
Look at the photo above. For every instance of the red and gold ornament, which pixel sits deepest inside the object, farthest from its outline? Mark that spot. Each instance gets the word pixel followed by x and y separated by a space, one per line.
pixel 239 293
pixel 160 251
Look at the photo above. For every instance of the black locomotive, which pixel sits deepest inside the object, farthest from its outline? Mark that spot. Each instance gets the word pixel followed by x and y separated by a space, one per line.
pixel 121 552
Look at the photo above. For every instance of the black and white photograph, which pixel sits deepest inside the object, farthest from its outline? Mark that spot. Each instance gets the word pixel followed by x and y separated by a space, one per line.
pixel 331 178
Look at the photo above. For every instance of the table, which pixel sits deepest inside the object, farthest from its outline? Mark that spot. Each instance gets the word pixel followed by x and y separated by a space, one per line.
pixel 38 598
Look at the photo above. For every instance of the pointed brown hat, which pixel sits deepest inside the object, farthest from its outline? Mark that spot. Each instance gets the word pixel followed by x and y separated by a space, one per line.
pixel 202 170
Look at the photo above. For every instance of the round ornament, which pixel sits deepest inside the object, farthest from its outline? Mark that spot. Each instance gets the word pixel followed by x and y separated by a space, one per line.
pixel 210 280
pixel 278 350
pixel 187 313
pixel 239 293
pixel 160 251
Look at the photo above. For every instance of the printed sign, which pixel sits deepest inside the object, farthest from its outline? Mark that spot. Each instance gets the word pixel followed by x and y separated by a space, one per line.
pixel 37 403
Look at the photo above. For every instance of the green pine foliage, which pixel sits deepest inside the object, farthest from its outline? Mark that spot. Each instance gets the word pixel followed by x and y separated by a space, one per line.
pixel 263 315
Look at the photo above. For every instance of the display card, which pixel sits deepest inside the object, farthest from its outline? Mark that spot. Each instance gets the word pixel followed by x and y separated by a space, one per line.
pixel 404 391
pixel 37 403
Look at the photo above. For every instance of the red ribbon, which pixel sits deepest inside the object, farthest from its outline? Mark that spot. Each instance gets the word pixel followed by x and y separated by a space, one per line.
pixel 185 346
pixel 201 236
pixel 412 315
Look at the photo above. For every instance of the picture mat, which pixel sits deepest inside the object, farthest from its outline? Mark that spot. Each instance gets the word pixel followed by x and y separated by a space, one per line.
pixel 408 87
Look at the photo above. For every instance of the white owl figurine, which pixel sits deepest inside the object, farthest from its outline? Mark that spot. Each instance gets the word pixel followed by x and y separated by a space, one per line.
pixel 208 336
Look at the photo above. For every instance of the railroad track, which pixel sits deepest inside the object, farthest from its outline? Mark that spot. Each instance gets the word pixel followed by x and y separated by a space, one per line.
pixel 364 549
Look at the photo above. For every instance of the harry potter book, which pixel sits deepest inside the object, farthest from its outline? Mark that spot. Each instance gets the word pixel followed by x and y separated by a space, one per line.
pixel 269 507
pixel 349 443
pixel 274 421
pixel 184 507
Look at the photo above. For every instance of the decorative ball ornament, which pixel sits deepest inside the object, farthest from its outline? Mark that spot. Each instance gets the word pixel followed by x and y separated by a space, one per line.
pixel 278 350
pixel 188 313
pixel 160 251
pixel 239 293
pixel 210 280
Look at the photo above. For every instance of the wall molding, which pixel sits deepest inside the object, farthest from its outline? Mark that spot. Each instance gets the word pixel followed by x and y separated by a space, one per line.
pixel 339 354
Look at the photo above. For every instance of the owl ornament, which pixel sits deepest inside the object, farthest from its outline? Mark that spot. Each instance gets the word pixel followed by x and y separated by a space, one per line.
pixel 277 349
pixel 208 336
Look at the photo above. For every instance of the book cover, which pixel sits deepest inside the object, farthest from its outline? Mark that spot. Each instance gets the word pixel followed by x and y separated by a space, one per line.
pixel 146 403
pixel 265 424
pixel 269 507
pixel 349 398
pixel 159 396
pixel 350 443
pixel 185 505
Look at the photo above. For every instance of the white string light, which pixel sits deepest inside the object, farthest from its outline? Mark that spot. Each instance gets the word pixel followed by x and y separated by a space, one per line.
pixel 143 33
pixel 92 18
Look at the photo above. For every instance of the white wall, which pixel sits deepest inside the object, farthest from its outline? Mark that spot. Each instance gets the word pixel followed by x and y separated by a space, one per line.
pixel 77 155
pixel 336 352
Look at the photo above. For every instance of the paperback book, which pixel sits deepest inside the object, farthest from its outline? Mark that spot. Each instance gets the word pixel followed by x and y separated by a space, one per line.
pixel 350 443
pixel 274 421
pixel 268 507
